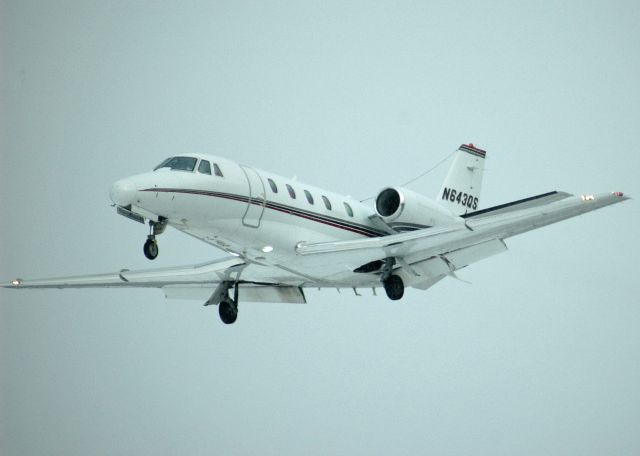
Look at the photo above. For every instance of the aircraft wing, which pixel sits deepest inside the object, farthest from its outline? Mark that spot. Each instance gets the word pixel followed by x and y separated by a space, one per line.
pixel 149 278
pixel 509 220
pixel 526 203
pixel 183 282
pixel 484 228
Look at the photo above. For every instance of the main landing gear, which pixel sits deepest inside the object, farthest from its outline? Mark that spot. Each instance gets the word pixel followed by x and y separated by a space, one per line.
pixel 394 287
pixel 228 311
pixel 150 248
pixel 227 306
pixel 393 284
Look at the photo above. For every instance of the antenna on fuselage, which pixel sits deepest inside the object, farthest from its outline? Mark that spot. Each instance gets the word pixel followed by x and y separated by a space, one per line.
pixel 420 175
pixel 430 169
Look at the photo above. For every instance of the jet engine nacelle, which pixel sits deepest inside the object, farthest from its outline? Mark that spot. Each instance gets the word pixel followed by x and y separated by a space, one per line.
pixel 406 210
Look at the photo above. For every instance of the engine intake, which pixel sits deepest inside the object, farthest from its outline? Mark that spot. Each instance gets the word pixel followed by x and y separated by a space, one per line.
pixel 388 202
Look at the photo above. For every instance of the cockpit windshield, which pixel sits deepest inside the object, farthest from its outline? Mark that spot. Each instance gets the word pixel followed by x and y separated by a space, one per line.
pixel 178 163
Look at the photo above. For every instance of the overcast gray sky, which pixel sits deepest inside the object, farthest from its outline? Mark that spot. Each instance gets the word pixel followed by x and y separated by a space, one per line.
pixel 540 355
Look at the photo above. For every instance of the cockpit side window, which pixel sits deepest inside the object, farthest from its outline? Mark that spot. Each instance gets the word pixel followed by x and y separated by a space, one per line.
pixel 163 164
pixel 205 167
pixel 178 164
pixel 216 170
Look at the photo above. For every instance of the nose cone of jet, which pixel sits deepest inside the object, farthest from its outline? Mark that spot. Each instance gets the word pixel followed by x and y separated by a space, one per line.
pixel 123 192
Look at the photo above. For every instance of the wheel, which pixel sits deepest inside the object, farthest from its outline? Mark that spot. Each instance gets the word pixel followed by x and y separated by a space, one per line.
pixel 228 311
pixel 394 287
pixel 150 249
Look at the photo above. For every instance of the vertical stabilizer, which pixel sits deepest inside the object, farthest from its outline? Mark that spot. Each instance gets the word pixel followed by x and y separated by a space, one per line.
pixel 460 192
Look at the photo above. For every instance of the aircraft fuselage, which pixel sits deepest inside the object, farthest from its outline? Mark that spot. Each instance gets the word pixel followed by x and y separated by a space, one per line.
pixel 240 212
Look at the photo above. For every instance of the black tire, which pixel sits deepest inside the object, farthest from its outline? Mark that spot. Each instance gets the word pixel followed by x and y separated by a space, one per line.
pixel 228 311
pixel 394 287
pixel 151 249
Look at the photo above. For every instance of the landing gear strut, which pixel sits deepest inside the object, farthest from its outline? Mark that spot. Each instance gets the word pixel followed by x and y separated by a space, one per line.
pixel 150 248
pixel 227 306
pixel 393 284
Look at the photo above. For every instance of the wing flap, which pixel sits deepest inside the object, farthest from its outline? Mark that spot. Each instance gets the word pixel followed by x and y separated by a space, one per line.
pixel 391 243
pixel 248 292
pixel 464 257
pixel 434 269
pixel 208 273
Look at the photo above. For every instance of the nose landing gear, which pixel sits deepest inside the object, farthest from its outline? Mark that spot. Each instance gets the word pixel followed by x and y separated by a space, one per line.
pixel 150 248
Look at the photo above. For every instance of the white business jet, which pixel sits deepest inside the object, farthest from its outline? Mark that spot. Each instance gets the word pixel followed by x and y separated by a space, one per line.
pixel 283 236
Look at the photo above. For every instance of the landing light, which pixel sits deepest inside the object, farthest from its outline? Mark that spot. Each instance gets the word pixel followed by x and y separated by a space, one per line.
pixel 587 198
pixel 16 282
pixel 267 249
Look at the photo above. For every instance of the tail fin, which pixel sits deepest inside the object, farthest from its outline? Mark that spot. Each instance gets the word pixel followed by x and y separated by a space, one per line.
pixel 460 191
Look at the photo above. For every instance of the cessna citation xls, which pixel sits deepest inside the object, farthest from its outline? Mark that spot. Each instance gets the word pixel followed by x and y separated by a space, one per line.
pixel 283 236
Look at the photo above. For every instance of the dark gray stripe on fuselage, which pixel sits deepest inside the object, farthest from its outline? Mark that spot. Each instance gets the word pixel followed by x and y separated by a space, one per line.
pixel 309 215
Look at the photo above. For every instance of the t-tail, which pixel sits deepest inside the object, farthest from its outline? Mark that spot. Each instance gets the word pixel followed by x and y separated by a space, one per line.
pixel 460 192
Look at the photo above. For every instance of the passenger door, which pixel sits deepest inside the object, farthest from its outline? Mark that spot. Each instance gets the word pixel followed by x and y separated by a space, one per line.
pixel 257 198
